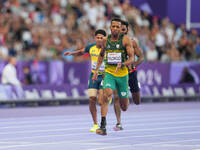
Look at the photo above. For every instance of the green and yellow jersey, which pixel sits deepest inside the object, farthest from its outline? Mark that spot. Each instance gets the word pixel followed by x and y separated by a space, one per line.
pixel 115 53
pixel 94 54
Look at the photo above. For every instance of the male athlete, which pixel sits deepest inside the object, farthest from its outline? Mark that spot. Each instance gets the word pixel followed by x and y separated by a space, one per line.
pixel 133 81
pixel 116 49
pixel 94 86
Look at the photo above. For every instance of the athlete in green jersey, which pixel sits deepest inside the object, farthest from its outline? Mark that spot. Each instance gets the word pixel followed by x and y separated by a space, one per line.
pixel 133 81
pixel 118 53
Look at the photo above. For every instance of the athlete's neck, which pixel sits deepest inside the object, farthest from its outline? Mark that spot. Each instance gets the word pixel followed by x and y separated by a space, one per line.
pixel 98 46
pixel 114 37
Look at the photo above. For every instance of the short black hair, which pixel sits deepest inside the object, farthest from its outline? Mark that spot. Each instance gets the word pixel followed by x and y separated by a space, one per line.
pixel 116 19
pixel 124 23
pixel 100 31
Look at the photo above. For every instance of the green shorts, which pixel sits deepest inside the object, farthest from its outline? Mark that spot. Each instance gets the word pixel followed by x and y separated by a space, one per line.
pixel 95 84
pixel 121 83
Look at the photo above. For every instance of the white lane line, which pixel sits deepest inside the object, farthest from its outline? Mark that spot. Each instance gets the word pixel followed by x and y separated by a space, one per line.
pixel 115 146
pixel 167 142
pixel 179 145
pixel 97 140
pixel 152 144
pixel 136 115
pixel 128 123
pixel 83 133
pixel 87 122
pixel 71 129
pixel 81 120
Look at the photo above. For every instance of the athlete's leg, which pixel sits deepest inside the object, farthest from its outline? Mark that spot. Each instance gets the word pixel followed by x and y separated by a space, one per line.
pixel 92 92
pixel 134 87
pixel 107 93
pixel 123 92
pixel 100 97
pixel 124 102
pixel 92 104
pixel 109 87
pixel 136 98
pixel 117 107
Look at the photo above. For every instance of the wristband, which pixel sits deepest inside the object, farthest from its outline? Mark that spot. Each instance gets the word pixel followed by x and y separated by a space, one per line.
pixel 122 65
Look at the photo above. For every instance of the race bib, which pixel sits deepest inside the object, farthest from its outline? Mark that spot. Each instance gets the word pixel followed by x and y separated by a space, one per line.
pixel 102 67
pixel 114 58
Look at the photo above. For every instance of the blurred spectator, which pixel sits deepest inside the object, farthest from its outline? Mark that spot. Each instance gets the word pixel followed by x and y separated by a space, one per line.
pixel 151 54
pixel 42 29
pixel 9 73
pixel 174 53
pixel 27 76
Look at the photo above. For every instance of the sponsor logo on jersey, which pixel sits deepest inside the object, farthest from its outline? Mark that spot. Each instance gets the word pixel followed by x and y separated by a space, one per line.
pixel 123 93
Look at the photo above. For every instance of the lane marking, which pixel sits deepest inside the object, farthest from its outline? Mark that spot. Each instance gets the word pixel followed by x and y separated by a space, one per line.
pixel 112 138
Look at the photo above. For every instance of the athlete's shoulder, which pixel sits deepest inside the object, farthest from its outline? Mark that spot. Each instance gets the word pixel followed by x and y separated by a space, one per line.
pixel 89 46
pixel 126 39
pixel 134 43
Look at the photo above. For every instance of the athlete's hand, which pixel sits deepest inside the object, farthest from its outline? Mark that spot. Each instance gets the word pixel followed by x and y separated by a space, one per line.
pixel 129 67
pixel 67 53
pixel 119 65
pixel 95 75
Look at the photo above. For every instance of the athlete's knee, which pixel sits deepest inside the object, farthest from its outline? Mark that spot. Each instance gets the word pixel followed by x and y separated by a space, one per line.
pixel 124 104
pixel 93 99
pixel 124 107
pixel 136 101
pixel 107 95
pixel 136 98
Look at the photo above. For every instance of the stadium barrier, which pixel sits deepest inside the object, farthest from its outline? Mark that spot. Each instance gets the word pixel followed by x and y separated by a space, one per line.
pixel 66 82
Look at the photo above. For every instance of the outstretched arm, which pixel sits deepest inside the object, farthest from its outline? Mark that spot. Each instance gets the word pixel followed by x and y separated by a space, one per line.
pixel 77 52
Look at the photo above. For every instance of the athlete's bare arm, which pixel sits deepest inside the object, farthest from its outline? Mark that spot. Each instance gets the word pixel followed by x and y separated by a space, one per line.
pixel 130 51
pixel 138 53
pixel 77 52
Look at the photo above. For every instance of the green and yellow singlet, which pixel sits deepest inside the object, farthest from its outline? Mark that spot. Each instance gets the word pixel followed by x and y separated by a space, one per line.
pixel 115 53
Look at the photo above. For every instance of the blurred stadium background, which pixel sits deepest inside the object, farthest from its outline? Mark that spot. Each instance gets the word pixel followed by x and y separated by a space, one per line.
pixel 37 32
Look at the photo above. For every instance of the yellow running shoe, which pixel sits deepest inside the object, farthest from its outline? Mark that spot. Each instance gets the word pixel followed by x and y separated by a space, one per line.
pixel 110 101
pixel 93 129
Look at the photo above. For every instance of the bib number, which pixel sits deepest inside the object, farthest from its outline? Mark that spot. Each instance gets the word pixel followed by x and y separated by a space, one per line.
pixel 114 58
pixel 102 67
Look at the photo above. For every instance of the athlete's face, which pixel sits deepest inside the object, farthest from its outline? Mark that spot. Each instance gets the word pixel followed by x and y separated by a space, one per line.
pixel 99 39
pixel 115 28
pixel 124 29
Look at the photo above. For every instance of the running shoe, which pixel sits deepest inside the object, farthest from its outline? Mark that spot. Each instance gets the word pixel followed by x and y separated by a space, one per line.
pixel 93 129
pixel 101 131
pixel 118 127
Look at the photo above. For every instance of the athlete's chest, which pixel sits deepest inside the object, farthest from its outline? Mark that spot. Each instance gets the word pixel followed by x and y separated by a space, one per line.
pixel 114 45
pixel 94 52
